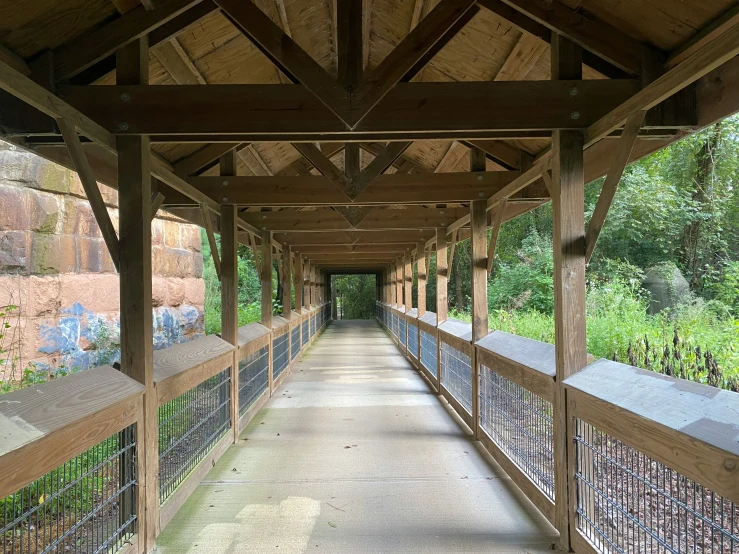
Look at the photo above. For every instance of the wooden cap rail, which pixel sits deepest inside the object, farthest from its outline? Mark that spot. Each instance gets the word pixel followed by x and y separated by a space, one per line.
pixel 412 313
pixel 252 337
pixel 279 323
pixel 692 428
pixel 429 318
pixel 457 334
pixel 526 362
pixel 181 367
pixel 44 426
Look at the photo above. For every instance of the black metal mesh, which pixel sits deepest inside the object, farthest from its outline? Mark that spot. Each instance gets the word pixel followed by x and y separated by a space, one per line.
pixel 312 325
pixel 280 355
pixel 628 502
pixel 521 424
pixel 395 324
pixel 253 377
pixel 189 426
pixel 295 342
pixel 87 505
pixel 456 375
pixel 428 353
pixel 402 330
pixel 413 339
pixel 306 337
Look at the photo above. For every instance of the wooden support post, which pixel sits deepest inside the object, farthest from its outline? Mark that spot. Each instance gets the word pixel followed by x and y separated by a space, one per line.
pixel 333 299
pixel 422 276
pixel 266 279
pixel 229 275
pixel 408 274
pixel 287 270
pixel 399 281
pixel 306 285
pixel 478 221
pixel 442 277
pixel 230 301
pixel 137 340
pixel 569 280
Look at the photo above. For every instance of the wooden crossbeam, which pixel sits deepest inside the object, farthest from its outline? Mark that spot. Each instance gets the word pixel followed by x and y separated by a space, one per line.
pixel 314 190
pixel 285 53
pixel 608 192
pixel 355 238
pixel 208 226
pixel 324 219
pixel 404 56
pixel 354 214
pixel 290 111
pixel 72 58
pixel 358 249
pixel 89 183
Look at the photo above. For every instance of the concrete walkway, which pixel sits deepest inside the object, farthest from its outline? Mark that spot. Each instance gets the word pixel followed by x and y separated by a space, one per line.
pixel 354 454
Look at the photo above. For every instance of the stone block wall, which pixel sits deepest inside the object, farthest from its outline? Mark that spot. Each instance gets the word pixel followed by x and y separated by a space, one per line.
pixel 55 268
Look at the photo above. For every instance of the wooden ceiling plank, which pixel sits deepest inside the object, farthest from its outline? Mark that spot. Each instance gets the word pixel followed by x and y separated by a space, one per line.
pixel 451 159
pixel 701 62
pixel 177 63
pixel 201 158
pixel 290 58
pixel 432 108
pixel 9 57
pixel 254 161
pixel 725 22
pixel 70 59
pixel 413 47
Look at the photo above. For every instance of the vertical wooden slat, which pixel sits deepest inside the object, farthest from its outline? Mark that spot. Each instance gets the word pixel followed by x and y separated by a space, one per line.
pixel 422 269
pixel 569 276
pixel 137 340
pixel 266 282
pixel 442 277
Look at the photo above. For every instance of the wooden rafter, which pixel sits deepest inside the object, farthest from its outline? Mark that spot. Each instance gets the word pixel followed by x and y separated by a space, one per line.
pixel 177 63
pixel 156 202
pixel 92 47
pixel 325 166
pixel 522 58
pixel 384 159
pixel 254 161
pixel 497 222
pixel 608 192
pixel 403 57
pixel 202 158
pixel 597 36
pixel 451 158
pixel 290 58
pixel 89 183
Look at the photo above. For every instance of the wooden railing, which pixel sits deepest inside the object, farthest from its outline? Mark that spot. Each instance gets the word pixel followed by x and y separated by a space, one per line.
pixel 83 427
pixel 653 461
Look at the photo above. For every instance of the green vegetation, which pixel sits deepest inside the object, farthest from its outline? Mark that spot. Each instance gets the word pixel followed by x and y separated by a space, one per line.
pixel 678 208
pixel 355 295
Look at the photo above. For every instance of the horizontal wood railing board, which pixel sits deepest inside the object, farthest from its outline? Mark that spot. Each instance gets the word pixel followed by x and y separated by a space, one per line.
pixel 181 367
pixel 412 313
pixel 687 426
pixel 456 328
pixel 429 318
pixel 526 362
pixel 44 426
pixel 252 337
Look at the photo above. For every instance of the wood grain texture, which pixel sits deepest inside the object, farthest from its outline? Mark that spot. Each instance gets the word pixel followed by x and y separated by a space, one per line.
pixel 442 276
pixel 252 337
pixel 230 296
pixel 422 279
pixel 45 425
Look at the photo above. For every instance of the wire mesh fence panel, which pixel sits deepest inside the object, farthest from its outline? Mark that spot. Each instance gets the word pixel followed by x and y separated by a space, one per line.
pixel 402 331
pixel 253 378
pixel 428 353
pixel 306 326
pixel 413 339
pixel 280 355
pixel 189 426
pixel 312 325
pixel 629 503
pixel 456 375
pixel 521 424
pixel 294 342
pixel 86 505
pixel 395 324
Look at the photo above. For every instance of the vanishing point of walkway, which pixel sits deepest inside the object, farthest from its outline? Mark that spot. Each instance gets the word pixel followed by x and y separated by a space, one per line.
pixel 355 454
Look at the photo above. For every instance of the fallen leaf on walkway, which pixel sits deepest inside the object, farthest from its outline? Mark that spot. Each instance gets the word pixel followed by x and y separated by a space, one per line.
pixel 332 524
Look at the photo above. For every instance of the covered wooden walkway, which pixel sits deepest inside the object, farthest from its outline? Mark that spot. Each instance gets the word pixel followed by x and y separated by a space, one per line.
pixel 356 454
